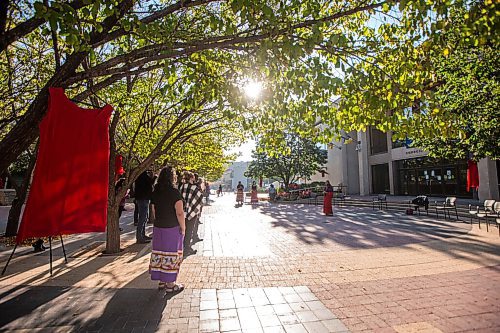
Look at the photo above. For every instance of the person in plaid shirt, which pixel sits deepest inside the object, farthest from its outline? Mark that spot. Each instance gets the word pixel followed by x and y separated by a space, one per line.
pixel 193 199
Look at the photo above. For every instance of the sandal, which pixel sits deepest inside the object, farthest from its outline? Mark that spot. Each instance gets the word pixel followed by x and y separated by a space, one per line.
pixel 175 289
pixel 161 285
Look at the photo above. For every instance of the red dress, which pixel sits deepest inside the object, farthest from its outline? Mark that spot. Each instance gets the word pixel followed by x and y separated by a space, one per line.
pixel 327 202
pixel 472 175
pixel 69 192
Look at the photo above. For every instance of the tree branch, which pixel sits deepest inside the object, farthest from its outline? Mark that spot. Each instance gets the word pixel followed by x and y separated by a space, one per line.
pixel 29 25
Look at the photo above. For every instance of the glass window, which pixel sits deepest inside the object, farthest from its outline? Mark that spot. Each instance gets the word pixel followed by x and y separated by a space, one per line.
pixel 378 141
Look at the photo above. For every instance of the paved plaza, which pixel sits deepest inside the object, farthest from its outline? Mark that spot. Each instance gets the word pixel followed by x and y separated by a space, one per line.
pixel 269 268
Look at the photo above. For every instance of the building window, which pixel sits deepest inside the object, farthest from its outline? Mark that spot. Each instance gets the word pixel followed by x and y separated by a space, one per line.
pixel 378 141
pixel 431 176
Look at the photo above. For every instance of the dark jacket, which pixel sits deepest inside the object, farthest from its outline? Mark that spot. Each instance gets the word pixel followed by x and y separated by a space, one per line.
pixel 144 187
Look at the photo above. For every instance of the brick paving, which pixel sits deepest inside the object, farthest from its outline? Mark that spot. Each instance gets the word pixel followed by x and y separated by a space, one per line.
pixel 270 268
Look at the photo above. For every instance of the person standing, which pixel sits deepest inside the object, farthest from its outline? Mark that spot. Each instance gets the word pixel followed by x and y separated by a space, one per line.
pixel 193 202
pixel 253 198
pixel 169 229
pixel 207 192
pixel 239 193
pixel 143 193
pixel 220 190
pixel 327 200
pixel 272 193
pixel 194 235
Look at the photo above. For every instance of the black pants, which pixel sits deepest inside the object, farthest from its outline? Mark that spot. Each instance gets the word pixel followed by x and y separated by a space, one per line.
pixel 194 235
pixel 136 213
pixel 189 234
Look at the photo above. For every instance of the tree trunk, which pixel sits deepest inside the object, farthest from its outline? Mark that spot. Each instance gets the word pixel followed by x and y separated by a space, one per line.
pixel 14 214
pixel 21 192
pixel 113 228
pixel 113 225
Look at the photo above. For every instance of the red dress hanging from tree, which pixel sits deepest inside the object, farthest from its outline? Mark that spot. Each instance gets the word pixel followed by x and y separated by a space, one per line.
pixel 69 192
pixel 472 175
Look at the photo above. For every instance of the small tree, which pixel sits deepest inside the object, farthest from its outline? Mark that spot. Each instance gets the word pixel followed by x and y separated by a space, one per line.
pixel 301 158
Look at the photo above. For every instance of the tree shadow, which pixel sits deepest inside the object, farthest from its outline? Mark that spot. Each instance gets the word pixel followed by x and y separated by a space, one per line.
pixel 41 301
pixel 362 228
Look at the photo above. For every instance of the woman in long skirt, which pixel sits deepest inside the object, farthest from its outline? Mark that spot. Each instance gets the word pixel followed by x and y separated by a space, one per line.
pixel 168 232
pixel 239 193
pixel 253 197
pixel 327 201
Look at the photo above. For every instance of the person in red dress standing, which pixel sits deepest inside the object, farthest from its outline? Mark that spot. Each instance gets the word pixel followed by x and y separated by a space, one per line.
pixel 327 201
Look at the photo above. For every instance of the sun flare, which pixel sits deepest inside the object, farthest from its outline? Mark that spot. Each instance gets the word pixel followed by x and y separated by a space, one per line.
pixel 253 89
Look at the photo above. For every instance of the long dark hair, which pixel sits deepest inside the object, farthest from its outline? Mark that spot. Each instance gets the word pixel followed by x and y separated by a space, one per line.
pixel 165 178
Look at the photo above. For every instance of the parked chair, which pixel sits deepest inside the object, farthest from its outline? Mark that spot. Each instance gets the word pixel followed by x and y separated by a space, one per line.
pixel 485 212
pixel 340 198
pixel 380 200
pixel 315 199
pixel 448 205
pixel 496 209
pixel 420 201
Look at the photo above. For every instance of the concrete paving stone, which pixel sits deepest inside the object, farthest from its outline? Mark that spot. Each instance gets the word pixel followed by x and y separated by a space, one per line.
pixel 295 328
pixel 228 313
pixel 243 301
pixel 274 329
pixel 209 326
pixel 306 316
pixel 324 314
pixel 308 296
pixel 315 305
pixel 334 325
pixel 293 298
pixel 282 309
pixel 299 306
pixel 226 304
pixel 209 314
pixel 208 305
pixel 289 319
pixel 229 324
pixel 260 301
pixel 315 327
pixel 264 310
pixel 269 320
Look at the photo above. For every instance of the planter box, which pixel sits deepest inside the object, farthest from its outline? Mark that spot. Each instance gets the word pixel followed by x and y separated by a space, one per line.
pixel 7 196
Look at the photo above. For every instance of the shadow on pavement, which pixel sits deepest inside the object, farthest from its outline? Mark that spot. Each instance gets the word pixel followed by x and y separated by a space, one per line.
pixel 360 228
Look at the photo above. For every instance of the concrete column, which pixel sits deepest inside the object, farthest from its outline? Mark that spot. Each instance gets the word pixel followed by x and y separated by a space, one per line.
pixel 488 179
pixel 392 186
pixel 364 168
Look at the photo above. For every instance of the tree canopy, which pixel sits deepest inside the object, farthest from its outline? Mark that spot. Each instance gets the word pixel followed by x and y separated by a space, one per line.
pixel 307 53
pixel 301 159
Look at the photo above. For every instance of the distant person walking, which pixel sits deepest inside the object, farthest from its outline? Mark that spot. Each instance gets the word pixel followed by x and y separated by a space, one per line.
pixel 327 201
pixel 239 193
pixel 272 193
pixel 207 192
pixel 253 196
pixel 169 229
pixel 220 190
pixel 143 194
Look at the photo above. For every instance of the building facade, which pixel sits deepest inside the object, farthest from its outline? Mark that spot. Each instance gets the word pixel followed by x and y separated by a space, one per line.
pixel 373 164
pixel 236 173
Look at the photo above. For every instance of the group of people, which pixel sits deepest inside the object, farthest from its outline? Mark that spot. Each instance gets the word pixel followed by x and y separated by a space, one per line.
pixel 174 203
pixel 176 207
pixel 240 194
pixel 327 201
